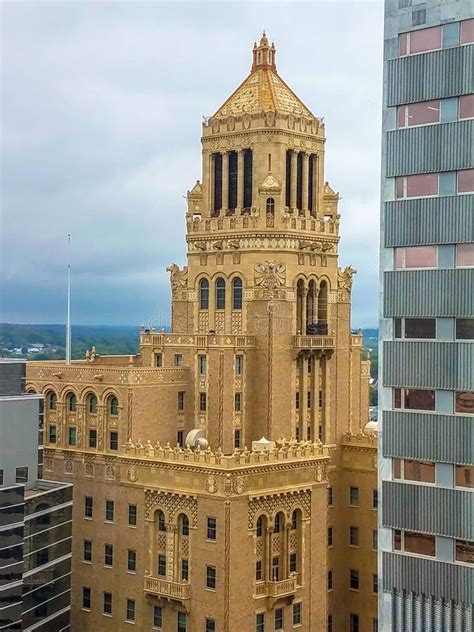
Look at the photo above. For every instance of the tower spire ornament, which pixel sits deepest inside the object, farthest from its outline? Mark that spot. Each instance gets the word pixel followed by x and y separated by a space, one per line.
pixel 264 54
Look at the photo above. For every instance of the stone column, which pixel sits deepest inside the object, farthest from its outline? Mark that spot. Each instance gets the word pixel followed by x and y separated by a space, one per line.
pixel 304 182
pixel 225 182
pixel 240 181
pixel 294 174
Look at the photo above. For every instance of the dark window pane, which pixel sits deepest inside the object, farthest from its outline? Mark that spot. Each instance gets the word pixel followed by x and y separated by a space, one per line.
pixel 464 402
pixel 247 178
pixel 420 328
pixel 232 201
pixel 419 399
pixel 217 181
pixel 465 328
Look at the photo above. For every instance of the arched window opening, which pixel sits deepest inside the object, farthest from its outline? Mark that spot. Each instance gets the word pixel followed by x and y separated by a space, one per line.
pixel 113 406
pixel 161 521
pixel 220 293
pixel 71 402
pixel 237 293
pixel 300 317
pixel 270 207
pixel 184 525
pixel 311 306
pixel 323 308
pixel 248 169
pixel 278 526
pixel 259 529
pixel 217 164
pixel 92 404
pixel 52 401
pixel 294 519
pixel 203 294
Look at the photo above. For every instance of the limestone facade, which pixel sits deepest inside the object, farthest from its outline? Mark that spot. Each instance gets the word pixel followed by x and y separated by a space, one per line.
pixel 217 535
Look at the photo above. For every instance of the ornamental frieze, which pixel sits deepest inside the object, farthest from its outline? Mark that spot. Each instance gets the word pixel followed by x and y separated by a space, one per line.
pixel 171 504
pixel 287 502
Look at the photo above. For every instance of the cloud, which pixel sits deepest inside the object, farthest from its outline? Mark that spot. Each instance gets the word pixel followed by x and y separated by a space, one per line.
pixel 101 119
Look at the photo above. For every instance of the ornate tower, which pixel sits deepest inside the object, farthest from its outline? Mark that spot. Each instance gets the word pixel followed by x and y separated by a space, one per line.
pixel 260 356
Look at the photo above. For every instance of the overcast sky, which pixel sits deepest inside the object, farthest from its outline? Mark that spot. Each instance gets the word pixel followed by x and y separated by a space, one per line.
pixel 101 113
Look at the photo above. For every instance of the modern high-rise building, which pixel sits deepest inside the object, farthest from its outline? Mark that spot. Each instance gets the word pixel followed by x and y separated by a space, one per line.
pixel 223 481
pixel 426 539
pixel 35 517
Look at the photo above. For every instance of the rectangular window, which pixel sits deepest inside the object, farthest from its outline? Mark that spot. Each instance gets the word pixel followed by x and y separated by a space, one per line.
pixel 420 41
pixel 113 440
pixel 217 167
pixel 88 506
pixel 178 359
pixel 237 438
pixel 275 569
pixel 329 623
pixel 132 515
pixel 158 359
pixel 465 551
pixel 420 185
pixel 354 536
pixel 107 603
pixel 464 476
pixel 157 617
pixel 278 618
pixel 465 328
pixel 232 180
pixel 86 597
pixel 239 364
pixel 182 622
pixel 238 402
pixel 420 471
pixel 211 577
pixel 297 401
pixel 397 540
pixel 354 496
pixel 210 625
pixel 414 399
pixel 131 561
pixel 260 622
pixel 21 475
pixel 181 396
pixel 87 551
pixel 464 402
pixel 130 610
pixel 92 438
pixel 248 169
pixel 353 622
pixel 162 565
pixel 330 496
pixel 375 543
pixel 465 255
pixel 297 613
pixel 330 582
pixel 293 566
pixel 184 570
pixel 108 555
pixel 1 477
pixel 52 434
pixel 353 579
pixel 419 543
pixel 425 113
pixel 202 364
pixel 308 399
pixel 109 510
pixel 420 328
pixel 211 528
pixel 466 181
pixel 467 31
pixel 202 402
pixel 416 257
pixel 258 571
pixel 375 584
pixel 466 106
pixel 375 625
pixel 330 536
pixel 72 435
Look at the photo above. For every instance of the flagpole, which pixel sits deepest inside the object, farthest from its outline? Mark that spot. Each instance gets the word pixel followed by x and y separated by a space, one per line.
pixel 68 323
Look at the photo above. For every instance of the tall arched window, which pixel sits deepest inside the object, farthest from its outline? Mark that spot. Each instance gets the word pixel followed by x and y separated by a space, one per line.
pixel 260 527
pixel 113 406
pixel 220 293
pixel 71 402
pixel 92 404
pixel 323 306
pixel 278 522
pixel 161 521
pixel 203 294
pixel 52 399
pixel 270 205
pixel 184 524
pixel 237 293
pixel 294 520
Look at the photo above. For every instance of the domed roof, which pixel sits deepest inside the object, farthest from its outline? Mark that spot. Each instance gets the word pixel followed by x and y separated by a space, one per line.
pixel 372 426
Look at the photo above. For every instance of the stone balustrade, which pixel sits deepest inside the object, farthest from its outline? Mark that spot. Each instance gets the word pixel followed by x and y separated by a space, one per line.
pixel 276 589
pixel 163 588
pixel 252 220
pixel 313 342
pixel 203 341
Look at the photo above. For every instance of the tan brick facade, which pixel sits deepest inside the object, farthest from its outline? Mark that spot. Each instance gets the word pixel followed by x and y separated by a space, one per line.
pixel 260 346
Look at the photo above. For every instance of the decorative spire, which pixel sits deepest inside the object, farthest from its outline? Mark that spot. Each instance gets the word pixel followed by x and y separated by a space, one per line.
pixel 263 54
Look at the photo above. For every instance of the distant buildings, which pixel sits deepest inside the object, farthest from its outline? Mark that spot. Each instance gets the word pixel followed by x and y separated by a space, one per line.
pixel 35 517
pixel 426 396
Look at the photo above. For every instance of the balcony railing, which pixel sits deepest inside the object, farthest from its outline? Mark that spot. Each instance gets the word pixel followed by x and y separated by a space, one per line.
pixel 164 588
pixel 276 589
pixel 198 340
pixel 313 342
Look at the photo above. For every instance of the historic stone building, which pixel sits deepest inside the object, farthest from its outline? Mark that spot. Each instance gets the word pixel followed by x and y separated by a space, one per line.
pixel 185 517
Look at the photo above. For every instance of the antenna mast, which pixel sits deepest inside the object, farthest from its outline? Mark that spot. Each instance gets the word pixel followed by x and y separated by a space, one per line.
pixel 68 322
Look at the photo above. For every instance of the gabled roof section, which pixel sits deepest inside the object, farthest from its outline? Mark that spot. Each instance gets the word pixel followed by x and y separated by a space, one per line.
pixel 263 90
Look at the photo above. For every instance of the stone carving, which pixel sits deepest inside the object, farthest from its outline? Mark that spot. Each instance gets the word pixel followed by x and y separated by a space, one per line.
pixel 89 468
pixel 344 278
pixel 49 464
pixel 68 466
pixel 211 484
pixel 270 185
pixel 270 119
pixel 170 504
pixel 132 474
pixel 110 471
pixel 280 502
pixel 178 278
pixel 270 275
pixel 238 485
